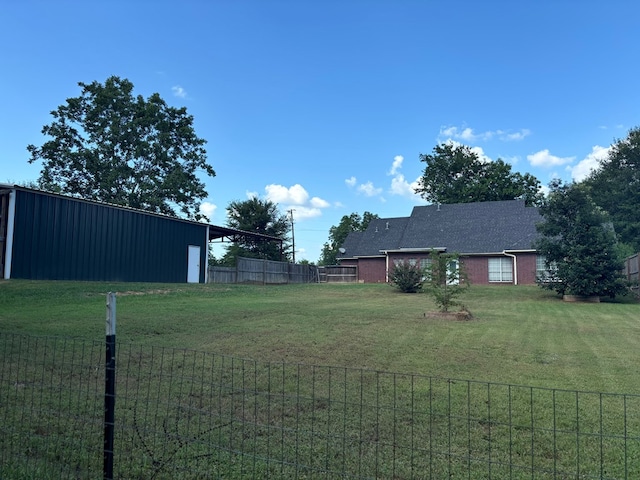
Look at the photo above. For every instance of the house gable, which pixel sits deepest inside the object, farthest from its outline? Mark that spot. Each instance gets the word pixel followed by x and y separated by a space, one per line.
pixel 484 227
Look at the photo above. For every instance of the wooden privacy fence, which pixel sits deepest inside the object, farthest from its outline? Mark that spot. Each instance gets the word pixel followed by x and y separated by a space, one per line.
pixel 255 270
pixel 338 273
pixel 631 271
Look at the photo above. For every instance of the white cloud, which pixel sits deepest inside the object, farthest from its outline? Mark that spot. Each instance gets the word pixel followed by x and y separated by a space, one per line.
pixel 369 190
pixel 179 92
pixel 294 198
pixel 468 135
pixel 208 209
pixel 516 136
pixel 591 162
pixel 464 133
pixel 544 159
pixel 481 155
pixel 295 195
pixel 319 203
pixel 396 165
pixel 301 212
pixel 401 187
pixel 545 190
pixel 351 181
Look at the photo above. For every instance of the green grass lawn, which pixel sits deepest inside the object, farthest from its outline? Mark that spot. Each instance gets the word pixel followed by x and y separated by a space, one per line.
pixel 221 380
pixel 519 334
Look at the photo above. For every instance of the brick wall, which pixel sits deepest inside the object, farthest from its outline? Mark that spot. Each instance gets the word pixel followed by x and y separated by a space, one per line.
pixel 373 270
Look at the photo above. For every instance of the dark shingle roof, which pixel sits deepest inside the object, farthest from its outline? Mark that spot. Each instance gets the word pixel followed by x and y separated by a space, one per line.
pixel 484 227
pixel 381 234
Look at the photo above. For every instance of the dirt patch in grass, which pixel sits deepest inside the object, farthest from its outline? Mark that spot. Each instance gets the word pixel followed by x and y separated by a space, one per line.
pixel 459 316
pixel 146 292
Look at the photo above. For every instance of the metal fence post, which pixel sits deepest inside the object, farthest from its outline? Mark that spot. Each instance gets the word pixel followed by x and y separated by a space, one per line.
pixel 110 386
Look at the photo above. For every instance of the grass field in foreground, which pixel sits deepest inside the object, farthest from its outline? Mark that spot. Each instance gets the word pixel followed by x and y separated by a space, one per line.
pixel 519 335
pixel 185 413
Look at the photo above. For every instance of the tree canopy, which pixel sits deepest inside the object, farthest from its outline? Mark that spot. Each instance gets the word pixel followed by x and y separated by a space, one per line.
pixel 338 234
pixel 455 174
pixel 578 244
pixel 258 216
pixel 615 186
pixel 109 145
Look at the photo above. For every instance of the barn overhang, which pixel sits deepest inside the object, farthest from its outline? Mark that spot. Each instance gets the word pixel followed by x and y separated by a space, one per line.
pixel 222 234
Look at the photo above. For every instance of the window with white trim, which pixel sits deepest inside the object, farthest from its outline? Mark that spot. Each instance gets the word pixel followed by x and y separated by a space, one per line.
pixel 425 263
pixel 544 273
pixel 500 269
pixel 425 266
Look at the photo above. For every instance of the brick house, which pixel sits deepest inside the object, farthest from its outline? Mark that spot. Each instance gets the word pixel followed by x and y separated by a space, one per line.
pixel 494 240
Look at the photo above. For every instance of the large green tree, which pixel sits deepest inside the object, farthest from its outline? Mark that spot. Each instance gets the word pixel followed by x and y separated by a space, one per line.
pixel 111 146
pixel 455 174
pixel 338 234
pixel 578 244
pixel 257 216
pixel 615 186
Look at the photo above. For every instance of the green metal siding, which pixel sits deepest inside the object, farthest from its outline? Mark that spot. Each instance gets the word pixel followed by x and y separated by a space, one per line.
pixel 60 238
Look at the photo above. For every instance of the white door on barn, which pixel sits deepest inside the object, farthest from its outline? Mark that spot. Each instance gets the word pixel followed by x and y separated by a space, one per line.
pixel 193 264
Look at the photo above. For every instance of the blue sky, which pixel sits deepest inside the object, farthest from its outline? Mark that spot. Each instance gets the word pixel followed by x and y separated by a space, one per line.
pixel 324 106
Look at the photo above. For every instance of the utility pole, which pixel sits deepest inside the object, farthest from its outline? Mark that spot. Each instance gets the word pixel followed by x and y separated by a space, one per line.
pixel 293 237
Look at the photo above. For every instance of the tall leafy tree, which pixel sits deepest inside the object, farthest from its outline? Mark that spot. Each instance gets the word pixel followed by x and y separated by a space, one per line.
pixel 111 146
pixel 455 174
pixel 338 234
pixel 615 186
pixel 578 244
pixel 258 216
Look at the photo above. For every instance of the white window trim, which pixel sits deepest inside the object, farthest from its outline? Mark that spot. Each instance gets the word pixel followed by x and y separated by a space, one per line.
pixel 503 261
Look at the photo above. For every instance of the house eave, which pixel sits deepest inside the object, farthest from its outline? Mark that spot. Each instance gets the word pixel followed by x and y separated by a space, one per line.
pixel 501 252
pixel 413 250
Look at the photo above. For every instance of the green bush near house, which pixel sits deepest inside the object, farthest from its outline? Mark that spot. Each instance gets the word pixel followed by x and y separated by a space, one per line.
pixel 407 277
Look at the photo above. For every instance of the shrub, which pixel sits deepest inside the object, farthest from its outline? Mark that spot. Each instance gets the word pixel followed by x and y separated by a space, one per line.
pixel 407 277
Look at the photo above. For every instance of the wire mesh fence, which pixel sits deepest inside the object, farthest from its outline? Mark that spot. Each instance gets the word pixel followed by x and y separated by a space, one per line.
pixel 191 414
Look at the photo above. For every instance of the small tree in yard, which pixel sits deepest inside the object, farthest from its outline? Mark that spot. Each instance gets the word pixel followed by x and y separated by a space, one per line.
pixel 445 279
pixel 407 277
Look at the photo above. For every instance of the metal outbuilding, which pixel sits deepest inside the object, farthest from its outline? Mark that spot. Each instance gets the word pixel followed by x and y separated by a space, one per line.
pixel 47 236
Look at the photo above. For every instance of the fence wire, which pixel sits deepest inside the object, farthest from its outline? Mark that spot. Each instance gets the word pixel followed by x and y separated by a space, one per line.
pixel 190 414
